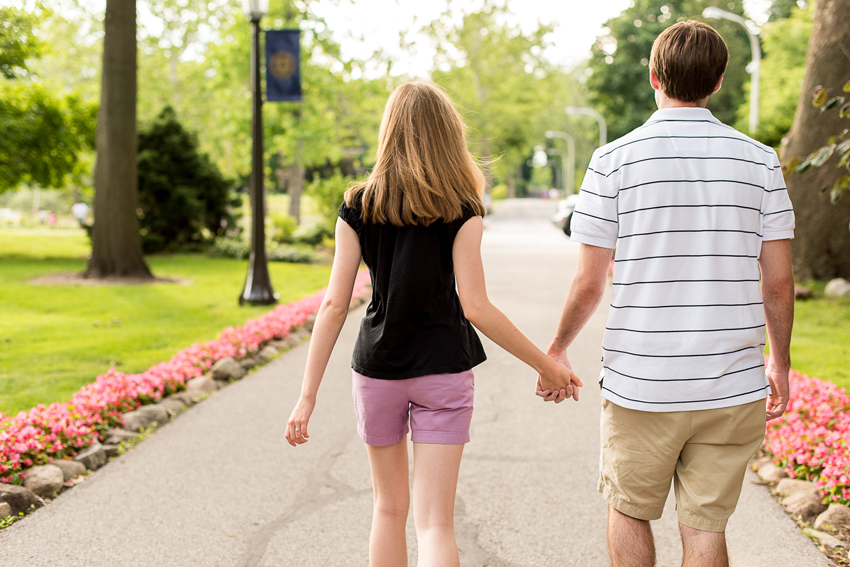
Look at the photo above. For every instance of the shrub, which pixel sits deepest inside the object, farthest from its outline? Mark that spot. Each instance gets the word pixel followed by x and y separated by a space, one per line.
pixel 283 228
pixel 289 254
pixel 239 249
pixel 183 197
pixel 229 248
pixel 314 235
pixel 328 194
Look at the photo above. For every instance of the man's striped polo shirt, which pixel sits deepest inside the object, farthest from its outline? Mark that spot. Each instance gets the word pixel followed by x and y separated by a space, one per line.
pixel 687 202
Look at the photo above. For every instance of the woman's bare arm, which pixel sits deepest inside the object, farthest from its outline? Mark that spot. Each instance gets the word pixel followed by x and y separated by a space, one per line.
pixel 329 321
pixel 472 291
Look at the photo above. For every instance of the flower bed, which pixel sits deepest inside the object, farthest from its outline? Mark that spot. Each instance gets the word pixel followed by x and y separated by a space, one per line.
pixel 61 429
pixel 811 440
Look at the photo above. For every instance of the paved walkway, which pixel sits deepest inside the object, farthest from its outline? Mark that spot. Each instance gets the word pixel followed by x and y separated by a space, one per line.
pixel 220 487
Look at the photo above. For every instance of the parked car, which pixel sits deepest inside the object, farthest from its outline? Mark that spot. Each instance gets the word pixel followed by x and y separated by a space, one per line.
pixel 564 215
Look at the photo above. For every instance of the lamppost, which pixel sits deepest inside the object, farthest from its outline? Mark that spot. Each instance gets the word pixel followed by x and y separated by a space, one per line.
pixel 755 65
pixel 571 161
pixel 603 127
pixel 563 156
pixel 258 286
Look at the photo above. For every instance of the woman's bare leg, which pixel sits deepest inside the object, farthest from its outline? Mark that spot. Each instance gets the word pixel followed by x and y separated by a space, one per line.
pixel 435 472
pixel 391 486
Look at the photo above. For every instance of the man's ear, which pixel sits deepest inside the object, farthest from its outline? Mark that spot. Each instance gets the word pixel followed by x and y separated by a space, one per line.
pixel 656 84
pixel 719 84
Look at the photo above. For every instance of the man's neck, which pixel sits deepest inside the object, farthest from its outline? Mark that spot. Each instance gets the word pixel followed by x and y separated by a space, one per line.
pixel 665 102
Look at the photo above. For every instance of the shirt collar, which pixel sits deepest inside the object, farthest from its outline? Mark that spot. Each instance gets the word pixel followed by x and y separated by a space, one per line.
pixel 683 113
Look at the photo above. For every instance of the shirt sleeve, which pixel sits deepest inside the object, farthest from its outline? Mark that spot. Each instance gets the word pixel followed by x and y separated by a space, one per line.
pixel 594 220
pixel 466 214
pixel 777 212
pixel 351 216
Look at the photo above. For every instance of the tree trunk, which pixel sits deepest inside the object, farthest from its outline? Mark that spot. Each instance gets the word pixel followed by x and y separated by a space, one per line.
pixel 296 183
pixel 821 246
pixel 116 244
pixel 512 185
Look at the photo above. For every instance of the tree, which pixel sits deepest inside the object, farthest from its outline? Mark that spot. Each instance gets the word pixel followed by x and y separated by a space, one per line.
pixel 497 76
pixel 821 246
pixel 619 84
pixel 337 120
pixel 44 135
pixel 45 131
pixel 781 9
pixel 116 243
pixel 785 42
pixel 18 42
pixel 183 198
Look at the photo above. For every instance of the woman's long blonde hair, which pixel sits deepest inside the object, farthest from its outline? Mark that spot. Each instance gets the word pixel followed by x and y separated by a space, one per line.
pixel 424 171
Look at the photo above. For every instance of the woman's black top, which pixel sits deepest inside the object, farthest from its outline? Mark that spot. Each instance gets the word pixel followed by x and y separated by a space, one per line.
pixel 414 325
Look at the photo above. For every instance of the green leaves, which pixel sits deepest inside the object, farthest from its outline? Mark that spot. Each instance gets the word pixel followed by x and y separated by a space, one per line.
pixel 18 42
pixel 834 102
pixel 838 188
pixel 44 134
pixel 183 197
pixel 838 144
pixel 804 166
pixel 819 97
pixel 819 158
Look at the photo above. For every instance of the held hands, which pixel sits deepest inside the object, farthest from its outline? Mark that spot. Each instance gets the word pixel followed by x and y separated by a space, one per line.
pixel 296 427
pixel 559 382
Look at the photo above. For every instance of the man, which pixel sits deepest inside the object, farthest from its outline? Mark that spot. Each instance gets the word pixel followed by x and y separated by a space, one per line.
pixel 694 209
pixel 79 209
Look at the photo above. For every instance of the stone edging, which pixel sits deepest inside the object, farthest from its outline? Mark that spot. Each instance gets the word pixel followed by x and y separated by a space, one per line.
pixel 828 526
pixel 44 483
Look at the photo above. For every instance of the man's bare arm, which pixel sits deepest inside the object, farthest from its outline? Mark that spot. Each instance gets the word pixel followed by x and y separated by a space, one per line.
pixel 777 288
pixel 583 297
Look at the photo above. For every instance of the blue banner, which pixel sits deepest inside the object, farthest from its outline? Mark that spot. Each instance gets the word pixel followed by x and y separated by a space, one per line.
pixel 283 65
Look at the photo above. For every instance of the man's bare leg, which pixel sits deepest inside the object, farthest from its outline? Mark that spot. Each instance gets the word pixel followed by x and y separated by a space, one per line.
pixel 630 542
pixel 703 549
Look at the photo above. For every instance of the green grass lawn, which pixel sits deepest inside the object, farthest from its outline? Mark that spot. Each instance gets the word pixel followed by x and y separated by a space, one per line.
pixel 56 338
pixel 820 343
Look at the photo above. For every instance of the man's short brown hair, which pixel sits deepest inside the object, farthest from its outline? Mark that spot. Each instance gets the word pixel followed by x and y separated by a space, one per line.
pixel 689 58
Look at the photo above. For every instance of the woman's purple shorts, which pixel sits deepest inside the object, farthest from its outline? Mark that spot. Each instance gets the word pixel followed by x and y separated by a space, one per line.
pixel 437 408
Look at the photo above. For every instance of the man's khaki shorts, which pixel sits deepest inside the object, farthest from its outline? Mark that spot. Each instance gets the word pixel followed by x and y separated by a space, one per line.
pixel 704 452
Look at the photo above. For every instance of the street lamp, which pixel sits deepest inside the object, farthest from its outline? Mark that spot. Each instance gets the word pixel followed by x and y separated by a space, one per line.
pixel 755 65
pixel 571 162
pixel 563 156
pixel 603 127
pixel 258 286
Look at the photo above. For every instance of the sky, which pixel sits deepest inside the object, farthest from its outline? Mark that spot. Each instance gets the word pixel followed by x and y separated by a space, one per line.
pixel 361 25
pixel 380 21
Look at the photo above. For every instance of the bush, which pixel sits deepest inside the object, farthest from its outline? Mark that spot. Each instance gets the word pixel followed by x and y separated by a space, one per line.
pixel 499 192
pixel 314 235
pixel 283 228
pixel 328 194
pixel 229 248
pixel 183 197
pixel 239 249
pixel 289 254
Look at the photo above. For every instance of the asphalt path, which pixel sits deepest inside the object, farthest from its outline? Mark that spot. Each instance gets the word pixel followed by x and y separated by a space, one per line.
pixel 219 486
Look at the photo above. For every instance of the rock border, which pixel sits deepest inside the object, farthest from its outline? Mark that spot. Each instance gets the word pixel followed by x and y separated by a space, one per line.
pixel 44 483
pixel 827 525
